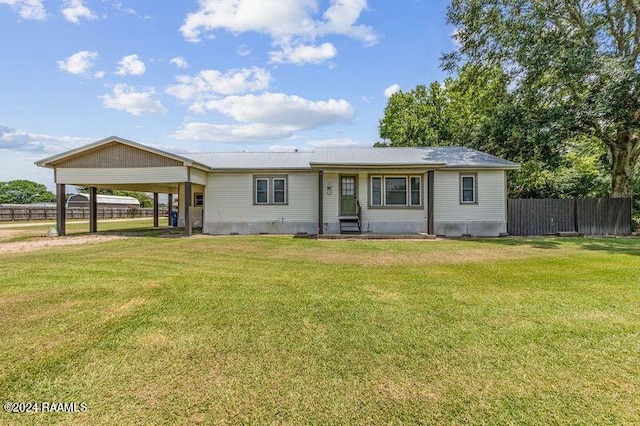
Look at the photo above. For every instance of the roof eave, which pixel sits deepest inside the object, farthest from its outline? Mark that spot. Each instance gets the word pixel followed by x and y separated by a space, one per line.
pixel 376 166
pixel 259 170
pixel 48 162
pixel 478 167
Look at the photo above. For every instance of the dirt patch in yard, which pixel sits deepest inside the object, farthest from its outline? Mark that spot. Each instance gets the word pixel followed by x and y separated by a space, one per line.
pixel 43 243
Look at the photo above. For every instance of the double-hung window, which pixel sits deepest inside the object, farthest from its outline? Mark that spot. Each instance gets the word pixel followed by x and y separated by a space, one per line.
pixel 468 188
pixel 395 191
pixel 270 190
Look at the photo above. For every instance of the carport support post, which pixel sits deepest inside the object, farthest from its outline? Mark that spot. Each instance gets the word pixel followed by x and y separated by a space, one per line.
pixel 93 210
pixel 61 210
pixel 169 208
pixel 155 210
pixel 187 209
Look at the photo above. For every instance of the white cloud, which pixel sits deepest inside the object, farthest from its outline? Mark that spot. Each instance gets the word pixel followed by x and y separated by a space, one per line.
pixel 79 63
pixel 99 74
pixel 179 62
pixel 28 9
pixel 230 133
pixel 341 18
pixel 264 118
pixel 302 54
pixel 336 143
pixel 127 98
pixel 281 19
pixel 20 149
pixel 391 90
pixel 131 65
pixel 210 83
pixel 244 50
pixel 74 10
pixel 19 140
pixel 278 109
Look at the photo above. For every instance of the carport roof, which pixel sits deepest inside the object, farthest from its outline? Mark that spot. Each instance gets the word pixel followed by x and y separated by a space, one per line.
pixel 58 158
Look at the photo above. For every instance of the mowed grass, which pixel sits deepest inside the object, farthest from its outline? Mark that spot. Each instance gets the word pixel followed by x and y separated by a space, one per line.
pixel 285 330
pixel 23 231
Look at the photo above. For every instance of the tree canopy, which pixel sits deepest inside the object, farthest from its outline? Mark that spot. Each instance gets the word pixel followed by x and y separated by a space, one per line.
pixel 574 62
pixel 24 192
pixel 477 110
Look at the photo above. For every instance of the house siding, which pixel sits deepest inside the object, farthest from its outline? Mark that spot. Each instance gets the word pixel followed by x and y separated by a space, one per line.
pixel 198 176
pixel 374 220
pixel 487 217
pixel 229 206
pixel 97 176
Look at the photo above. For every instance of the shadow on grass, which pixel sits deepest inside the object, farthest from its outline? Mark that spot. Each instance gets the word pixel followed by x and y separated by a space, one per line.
pixel 535 242
pixel 623 245
pixel 628 245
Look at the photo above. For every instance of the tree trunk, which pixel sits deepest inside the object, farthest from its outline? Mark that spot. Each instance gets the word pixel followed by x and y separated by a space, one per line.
pixel 624 157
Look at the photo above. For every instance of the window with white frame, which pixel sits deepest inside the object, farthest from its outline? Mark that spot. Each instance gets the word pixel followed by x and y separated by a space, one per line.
pixel 468 188
pixel 395 191
pixel 198 199
pixel 269 190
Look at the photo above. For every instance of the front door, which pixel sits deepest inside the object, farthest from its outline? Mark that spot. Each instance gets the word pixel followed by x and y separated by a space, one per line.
pixel 348 196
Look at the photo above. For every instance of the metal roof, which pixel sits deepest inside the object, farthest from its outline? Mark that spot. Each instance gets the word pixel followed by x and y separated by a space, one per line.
pixel 253 160
pixel 107 199
pixel 457 156
pixel 450 157
pixel 370 156
pixel 434 156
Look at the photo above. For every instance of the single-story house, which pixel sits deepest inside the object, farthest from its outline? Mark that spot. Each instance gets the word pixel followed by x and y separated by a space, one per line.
pixel 449 191
pixel 109 201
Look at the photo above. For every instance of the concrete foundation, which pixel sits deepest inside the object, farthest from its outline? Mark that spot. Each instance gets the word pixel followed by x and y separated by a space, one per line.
pixel 448 229
pixel 253 228
pixel 474 229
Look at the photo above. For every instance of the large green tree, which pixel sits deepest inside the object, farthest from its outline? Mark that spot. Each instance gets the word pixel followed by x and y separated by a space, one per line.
pixel 476 109
pixel 574 61
pixel 24 192
pixel 417 118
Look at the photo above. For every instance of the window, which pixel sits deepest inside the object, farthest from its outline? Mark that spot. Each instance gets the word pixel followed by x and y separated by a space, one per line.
pixel 376 191
pixel 468 193
pixel 279 190
pixel 415 191
pixel 262 191
pixel 198 199
pixel 395 191
pixel 270 190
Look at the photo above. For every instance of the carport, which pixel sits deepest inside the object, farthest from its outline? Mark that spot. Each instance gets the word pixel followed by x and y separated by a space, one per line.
pixel 116 163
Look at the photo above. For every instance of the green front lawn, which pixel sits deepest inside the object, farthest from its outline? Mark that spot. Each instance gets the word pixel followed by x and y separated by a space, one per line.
pixel 284 330
pixel 21 231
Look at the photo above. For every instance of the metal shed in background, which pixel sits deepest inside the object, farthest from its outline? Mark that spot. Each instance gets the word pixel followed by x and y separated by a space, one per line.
pixel 112 201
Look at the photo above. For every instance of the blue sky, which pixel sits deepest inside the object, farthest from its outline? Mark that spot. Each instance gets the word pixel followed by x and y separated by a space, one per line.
pixel 207 75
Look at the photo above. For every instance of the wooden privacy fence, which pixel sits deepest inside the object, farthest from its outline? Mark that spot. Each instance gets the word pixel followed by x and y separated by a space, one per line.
pixel 588 216
pixel 20 213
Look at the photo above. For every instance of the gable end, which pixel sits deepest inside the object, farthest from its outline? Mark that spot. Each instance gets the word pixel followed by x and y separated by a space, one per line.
pixel 117 155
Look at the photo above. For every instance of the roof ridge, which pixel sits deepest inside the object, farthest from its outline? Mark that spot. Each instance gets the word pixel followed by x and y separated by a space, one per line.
pixel 245 152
